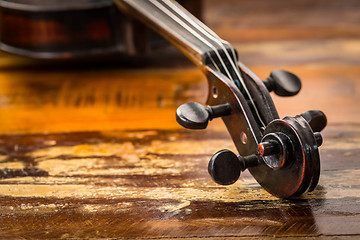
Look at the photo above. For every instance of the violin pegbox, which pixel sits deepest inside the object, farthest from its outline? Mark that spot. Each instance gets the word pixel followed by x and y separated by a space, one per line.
pixel 282 156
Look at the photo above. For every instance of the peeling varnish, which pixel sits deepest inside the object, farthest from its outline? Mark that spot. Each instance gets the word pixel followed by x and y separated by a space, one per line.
pixel 131 134
pixel 189 146
pixel 83 150
pixel 229 194
pixel 80 172
pixel 136 161
pixel 225 194
pixel 128 148
pixel 175 208
pixel 12 165
pixel 137 158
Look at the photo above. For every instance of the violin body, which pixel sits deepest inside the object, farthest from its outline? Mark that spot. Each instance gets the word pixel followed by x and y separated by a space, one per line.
pixel 55 29
pixel 281 154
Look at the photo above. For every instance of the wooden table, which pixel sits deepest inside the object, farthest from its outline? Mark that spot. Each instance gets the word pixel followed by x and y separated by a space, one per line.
pixel 92 149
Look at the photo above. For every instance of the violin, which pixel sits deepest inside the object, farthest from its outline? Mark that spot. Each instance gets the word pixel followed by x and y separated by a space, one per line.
pixel 55 29
pixel 281 154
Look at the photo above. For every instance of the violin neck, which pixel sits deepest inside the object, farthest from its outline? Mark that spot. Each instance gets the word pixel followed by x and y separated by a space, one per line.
pixel 183 30
pixel 199 43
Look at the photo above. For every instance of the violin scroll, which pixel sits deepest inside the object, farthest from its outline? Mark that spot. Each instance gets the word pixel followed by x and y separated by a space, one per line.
pixel 286 162
pixel 281 154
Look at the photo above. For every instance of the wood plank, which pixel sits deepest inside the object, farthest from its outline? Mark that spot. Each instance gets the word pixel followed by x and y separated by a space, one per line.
pixel 155 184
pixel 91 149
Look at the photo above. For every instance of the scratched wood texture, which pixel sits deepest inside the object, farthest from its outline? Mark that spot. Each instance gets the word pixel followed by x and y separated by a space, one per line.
pixel 92 150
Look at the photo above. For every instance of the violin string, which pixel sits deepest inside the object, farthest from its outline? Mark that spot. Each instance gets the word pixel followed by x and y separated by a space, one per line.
pixel 188 28
pixel 213 62
pixel 200 26
pixel 157 3
pixel 192 23
pixel 216 39
pixel 168 3
pixel 230 60
pixel 208 32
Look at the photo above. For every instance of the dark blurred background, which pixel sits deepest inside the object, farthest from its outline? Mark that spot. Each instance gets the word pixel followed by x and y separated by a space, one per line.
pixel 317 40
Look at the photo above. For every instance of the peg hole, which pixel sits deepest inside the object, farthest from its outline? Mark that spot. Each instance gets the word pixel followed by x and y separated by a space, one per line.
pixel 214 92
pixel 243 138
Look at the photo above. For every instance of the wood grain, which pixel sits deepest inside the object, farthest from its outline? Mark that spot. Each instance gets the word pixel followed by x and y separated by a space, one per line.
pixel 155 184
pixel 91 149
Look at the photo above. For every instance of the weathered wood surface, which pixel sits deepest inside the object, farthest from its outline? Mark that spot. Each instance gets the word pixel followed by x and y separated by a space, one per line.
pixel 155 184
pixel 93 151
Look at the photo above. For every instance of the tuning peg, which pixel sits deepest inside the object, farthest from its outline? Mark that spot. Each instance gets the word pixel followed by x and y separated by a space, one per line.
pixel 316 119
pixel 276 148
pixel 283 83
pixel 225 167
pixel 193 115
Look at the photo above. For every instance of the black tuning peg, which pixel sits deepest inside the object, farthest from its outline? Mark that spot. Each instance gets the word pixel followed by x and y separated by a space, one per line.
pixel 277 148
pixel 225 167
pixel 193 115
pixel 283 83
pixel 316 119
